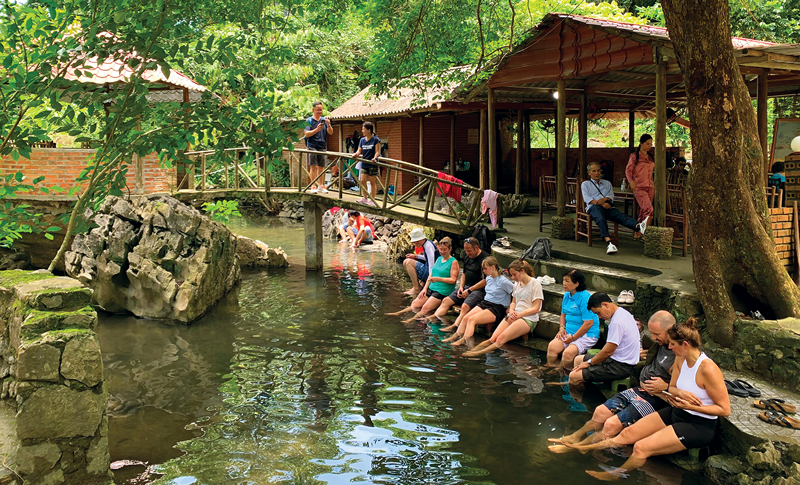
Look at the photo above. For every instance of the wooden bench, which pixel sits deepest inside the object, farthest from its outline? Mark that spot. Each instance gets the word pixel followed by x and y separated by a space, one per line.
pixel 585 226
pixel 548 189
pixel 677 217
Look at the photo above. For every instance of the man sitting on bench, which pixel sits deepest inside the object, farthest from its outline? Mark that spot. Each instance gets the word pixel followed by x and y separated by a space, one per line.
pixel 599 197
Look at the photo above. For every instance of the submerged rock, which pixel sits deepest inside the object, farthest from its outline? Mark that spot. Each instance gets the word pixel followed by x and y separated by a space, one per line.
pixel 156 258
pixel 256 254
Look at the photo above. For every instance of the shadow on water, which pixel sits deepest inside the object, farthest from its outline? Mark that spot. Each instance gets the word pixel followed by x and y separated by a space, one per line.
pixel 300 378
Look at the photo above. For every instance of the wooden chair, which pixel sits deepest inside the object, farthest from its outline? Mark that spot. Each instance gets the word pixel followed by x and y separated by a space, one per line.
pixel 572 190
pixel 584 224
pixel 677 217
pixel 676 178
pixel 774 197
pixel 547 196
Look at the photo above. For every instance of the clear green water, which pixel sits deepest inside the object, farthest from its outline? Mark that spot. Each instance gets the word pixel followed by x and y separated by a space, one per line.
pixel 300 378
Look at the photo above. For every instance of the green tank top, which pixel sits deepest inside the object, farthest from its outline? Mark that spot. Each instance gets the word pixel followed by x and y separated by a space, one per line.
pixel 441 269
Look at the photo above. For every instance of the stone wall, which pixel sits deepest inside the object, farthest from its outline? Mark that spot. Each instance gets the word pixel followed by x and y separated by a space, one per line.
pixel 52 381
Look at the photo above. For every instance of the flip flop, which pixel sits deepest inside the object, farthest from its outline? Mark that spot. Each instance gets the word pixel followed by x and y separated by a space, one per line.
pixel 775 405
pixel 734 389
pixel 748 387
pixel 772 417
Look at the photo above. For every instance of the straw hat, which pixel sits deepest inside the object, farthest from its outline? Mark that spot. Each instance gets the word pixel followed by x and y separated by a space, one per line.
pixel 417 234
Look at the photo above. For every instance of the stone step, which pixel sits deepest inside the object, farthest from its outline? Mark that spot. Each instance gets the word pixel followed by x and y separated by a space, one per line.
pixel 609 276
pixel 554 294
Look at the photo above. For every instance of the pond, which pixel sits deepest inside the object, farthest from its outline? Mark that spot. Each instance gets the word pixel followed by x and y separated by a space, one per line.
pixel 299 378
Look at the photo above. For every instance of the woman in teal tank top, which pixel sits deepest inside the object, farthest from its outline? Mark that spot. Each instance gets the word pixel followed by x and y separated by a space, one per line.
pixel 441 283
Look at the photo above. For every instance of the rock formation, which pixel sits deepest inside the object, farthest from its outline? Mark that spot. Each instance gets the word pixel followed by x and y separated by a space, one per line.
pixel 256 254
pixel 156 258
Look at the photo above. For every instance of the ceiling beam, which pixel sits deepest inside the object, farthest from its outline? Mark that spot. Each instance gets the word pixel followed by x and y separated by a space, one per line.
pixel 639 83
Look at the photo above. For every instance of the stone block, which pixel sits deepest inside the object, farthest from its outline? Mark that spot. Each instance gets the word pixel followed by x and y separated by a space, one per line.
pixel 59 412
pixel 38 322
pixel 562 227
pixel 37 459
pixel 38 362
pixel 98 458
pixel 82 360
pixel 764 457
pixel 658 242
pixel 55 294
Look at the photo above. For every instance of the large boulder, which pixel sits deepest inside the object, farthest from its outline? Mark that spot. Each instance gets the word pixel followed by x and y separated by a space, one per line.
pixel 156 258
pixel 256 254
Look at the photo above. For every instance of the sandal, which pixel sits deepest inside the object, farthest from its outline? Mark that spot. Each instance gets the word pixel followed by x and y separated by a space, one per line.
pixel 772 417
pixel 775 405
pixel 748 387
pixel 735 389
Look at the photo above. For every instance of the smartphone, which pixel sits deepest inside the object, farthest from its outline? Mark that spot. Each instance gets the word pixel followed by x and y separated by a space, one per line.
pixel 670 394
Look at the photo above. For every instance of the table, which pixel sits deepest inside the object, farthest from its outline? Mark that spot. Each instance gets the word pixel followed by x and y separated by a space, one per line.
pixel 626 196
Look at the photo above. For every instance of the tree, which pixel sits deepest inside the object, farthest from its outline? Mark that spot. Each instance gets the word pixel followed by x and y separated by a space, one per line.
pixel 732 249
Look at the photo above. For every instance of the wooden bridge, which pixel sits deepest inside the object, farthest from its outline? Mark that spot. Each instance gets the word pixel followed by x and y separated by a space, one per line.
pixel 240 170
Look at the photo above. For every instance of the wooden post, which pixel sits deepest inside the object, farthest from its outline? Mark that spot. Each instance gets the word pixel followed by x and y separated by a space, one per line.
pixel 203 169
pixel 520 142
pixel 583 142
pixel 561 145
pixel 492 127
pixel 139 163
pixel 452 144
pixel 631 130
pixel 421 195
pixel 482 148
pixel 527 155
pixel 312 222
pixel 236 169
pixel 660 136
pixel 763 108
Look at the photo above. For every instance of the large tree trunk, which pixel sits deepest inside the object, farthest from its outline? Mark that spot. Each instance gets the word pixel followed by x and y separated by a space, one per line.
pixel 730 230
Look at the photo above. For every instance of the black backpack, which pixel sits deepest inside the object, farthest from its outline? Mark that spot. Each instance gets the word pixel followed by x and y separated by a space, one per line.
pixel 539 250
pixel 484 236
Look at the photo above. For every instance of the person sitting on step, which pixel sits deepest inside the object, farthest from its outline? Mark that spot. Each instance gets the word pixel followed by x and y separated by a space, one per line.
pixel 358 230
pixel 599 197
pixel 493 307
pixel 441 282
pixel 523 314
pixel 618 357
pixel 579 328
pixel 472 275
pixel 419 267
pixel 631 405
pixel 697 397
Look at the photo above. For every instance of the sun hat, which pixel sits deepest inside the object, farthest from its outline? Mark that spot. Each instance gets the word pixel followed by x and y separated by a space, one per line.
pixel 417 234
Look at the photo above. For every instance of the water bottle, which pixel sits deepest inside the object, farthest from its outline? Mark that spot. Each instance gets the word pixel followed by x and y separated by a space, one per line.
pixel 622 187
pixel 369 188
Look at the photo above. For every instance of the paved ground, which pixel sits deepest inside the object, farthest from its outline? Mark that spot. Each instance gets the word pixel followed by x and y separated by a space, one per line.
pixel 745 416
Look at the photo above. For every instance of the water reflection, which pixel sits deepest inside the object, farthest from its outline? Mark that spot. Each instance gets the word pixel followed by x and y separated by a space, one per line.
pixel 299 378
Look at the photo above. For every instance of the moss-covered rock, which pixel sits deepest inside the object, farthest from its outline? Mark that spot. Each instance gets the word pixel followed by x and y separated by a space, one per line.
pixel 38 322
pixel 562 227
pixel 54 294
pixel 38 362
pixel 58 412
pixel 658 242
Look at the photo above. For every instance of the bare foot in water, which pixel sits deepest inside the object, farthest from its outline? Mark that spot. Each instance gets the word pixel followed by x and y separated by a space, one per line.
pixel 604 476
pixel 411 292
pixel 450 328
pixel 458 343
pixel 559 449
pixel 451 338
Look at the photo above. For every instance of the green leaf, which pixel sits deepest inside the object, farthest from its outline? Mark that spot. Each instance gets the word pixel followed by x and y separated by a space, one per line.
pixel 53 229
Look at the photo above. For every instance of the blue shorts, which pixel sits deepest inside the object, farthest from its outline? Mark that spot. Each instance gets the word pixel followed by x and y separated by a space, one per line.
pixel 422 271
pixel 367 231
pixel 631 405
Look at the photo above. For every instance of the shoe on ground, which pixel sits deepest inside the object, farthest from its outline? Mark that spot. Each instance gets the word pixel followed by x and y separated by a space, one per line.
pixel 611 248
pixel 629 298
pixel 623 297
pixel 323 190
pixel 363 200
pixel 642 226
pixel 313 190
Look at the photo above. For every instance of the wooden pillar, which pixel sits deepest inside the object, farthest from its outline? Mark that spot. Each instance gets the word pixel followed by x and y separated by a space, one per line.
pixel 632 130
pixel 482 147
pixel 660 136
pixel 763 108
pixel 583 142
pixel 421 195
pixel 139 164
pixel 452 144
pixel 527 154
pixel 561 142
pixel 520 143
pixel 492 127
pixel 312 222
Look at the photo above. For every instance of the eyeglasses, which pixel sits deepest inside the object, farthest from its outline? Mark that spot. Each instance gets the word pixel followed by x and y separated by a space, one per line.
pixel 471 240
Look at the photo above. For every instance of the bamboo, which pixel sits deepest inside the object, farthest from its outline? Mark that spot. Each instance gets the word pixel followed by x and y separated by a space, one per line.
pixel 408 194
pixel 396 176
pixel 428 202
pixel 472 207
pixel 236 169
pixel 447 200
pixel 227 176
pixel 386 189
pixel 204 174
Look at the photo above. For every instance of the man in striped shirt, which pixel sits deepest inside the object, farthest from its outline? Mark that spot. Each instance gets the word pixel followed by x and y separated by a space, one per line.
pixel 631 405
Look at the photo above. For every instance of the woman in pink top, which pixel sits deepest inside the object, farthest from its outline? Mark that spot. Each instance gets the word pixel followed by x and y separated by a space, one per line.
pixel 639 173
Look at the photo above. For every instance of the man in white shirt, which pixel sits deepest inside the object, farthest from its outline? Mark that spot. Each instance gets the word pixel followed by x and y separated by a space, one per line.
pixel 619 356
pixel 599 197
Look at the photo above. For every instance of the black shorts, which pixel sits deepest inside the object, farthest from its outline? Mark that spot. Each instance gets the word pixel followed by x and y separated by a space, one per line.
pixel 371 170
pixel 434 294
pixel 471 300
pixel 607 371
pixel 693 431
pixel 499 311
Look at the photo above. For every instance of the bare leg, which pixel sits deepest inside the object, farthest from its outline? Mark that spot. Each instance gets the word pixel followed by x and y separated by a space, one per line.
pixel 404 310
pixel 504 333
pixel 444 307
pixel 481 318
pixel 465 309
pixel 662 442
pixel 411 268
pixel 641 429
pixel 554 349
pixel 460 324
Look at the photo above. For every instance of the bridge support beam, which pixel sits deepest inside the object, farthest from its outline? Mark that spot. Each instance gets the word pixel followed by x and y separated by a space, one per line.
pixel 312 221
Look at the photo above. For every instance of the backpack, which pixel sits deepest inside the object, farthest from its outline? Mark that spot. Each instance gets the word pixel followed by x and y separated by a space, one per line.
pixel 539 250
pixel 484 236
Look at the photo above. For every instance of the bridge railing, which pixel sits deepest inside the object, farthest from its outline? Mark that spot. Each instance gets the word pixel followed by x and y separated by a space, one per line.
pixel 241 168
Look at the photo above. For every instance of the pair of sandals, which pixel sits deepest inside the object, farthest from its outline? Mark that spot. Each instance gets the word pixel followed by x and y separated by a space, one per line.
pixel 741 388
pixel 776 411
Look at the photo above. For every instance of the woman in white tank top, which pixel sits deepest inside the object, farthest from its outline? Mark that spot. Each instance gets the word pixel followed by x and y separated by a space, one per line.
pixel 697 395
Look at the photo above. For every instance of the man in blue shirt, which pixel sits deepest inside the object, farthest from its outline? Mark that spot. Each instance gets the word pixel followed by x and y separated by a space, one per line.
pixel 599 197
pixel 317 130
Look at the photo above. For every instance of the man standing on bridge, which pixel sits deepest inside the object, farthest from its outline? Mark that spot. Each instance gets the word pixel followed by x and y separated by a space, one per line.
pixel 317 130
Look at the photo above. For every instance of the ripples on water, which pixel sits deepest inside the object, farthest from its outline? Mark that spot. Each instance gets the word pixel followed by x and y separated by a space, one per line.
pixel 300 378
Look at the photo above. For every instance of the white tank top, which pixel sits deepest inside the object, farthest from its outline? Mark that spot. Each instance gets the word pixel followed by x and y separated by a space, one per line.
pixel 687 381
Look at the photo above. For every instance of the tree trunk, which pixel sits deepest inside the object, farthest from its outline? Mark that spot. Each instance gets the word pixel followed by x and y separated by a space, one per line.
pixel 732 248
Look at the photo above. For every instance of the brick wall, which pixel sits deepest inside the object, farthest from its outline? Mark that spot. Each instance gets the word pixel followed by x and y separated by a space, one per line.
pixel 61 166
pixel 783 235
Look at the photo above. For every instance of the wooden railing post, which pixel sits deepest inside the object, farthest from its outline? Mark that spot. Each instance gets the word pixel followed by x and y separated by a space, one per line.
pixel 203 173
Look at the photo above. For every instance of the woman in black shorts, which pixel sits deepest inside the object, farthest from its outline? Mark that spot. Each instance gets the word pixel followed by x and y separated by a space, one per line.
pixel 698 397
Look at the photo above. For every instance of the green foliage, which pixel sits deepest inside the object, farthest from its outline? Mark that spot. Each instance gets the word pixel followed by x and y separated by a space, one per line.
pixel 16 219
pixel 222 210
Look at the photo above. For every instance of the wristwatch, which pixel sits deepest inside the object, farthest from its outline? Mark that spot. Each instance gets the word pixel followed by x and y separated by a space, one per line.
pixel 589 361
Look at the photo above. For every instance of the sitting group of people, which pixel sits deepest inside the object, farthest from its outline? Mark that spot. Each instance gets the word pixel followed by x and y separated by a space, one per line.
pixel 679 394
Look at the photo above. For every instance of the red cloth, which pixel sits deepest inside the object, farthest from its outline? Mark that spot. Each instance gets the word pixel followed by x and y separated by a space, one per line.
pixel 449 190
